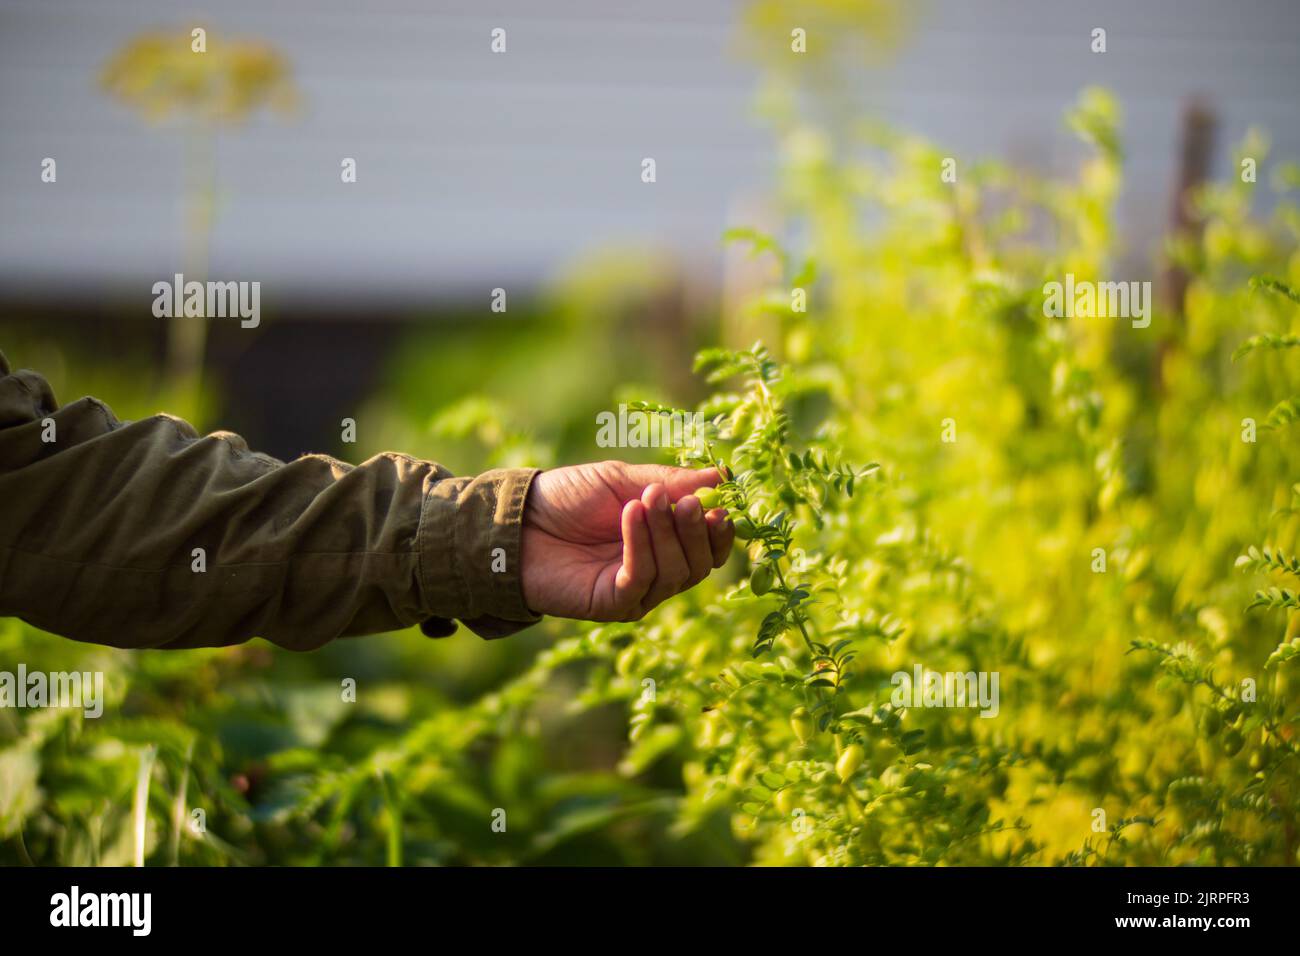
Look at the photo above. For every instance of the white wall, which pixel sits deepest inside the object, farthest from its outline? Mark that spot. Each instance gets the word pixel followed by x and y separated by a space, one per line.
pixel 479 170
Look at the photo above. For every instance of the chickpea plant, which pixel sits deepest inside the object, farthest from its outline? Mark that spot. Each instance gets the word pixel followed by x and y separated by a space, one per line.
pixel 1077 539
pixel 808 750
pixel 765 484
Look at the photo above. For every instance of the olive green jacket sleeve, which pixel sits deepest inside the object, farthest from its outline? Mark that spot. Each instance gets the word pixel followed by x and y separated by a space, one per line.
pixel 144 534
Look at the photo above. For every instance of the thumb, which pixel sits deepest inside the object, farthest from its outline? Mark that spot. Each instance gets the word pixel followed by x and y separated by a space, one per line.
pixel 632 480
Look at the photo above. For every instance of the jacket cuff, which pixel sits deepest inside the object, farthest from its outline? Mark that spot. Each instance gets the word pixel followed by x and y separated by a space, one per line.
pixel 469 542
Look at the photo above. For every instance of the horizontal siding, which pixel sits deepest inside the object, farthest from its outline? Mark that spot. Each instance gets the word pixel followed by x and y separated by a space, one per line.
pixel 478 170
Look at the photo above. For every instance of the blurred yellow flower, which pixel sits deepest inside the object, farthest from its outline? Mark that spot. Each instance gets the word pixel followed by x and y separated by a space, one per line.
pixel 159 73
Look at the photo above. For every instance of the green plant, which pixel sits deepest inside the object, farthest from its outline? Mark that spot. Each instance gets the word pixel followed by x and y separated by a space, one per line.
pixel 1076 537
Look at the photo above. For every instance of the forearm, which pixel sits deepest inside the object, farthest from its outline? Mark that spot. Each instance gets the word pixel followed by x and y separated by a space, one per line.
pixel 145 534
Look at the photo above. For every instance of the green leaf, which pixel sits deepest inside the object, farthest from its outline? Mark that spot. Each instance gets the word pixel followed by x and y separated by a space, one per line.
pixel 1267 559
pixel 19 795
pixel 1266 341
pixel 806 275
pixel 649 748
pixel 1284 413
pixel 1284 652
pixel 760 242
pixel 1275 285
pixel 1274 598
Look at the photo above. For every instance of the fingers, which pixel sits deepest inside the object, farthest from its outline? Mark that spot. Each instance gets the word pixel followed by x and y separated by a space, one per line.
pixel 673 571
pixel 637 572
pixel 722 534
pixel 667 550
pixel 693 533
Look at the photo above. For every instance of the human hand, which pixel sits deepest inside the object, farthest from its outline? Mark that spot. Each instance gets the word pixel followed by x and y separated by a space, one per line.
pixel 601 541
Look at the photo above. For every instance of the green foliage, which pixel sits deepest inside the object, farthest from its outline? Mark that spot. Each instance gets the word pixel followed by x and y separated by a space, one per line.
pixel 755 718
pixel 1275 285
pixel 1266 341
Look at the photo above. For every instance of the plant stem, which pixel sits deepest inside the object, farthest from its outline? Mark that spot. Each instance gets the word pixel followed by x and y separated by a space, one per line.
pixel 797 619
pixel 141 809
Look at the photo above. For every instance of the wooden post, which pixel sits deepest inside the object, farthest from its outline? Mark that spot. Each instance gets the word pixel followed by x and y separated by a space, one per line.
pixel 1195 150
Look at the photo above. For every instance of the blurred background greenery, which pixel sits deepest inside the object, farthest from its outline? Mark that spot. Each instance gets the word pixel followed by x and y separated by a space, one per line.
pixel 1073 436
